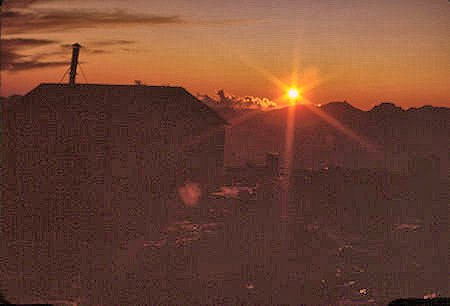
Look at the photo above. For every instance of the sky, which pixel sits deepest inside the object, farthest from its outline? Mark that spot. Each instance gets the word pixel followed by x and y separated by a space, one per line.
pixel 362 51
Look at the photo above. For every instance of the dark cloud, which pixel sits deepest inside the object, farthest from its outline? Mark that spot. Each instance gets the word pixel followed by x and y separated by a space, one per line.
pixel 34 64
pixel 66 49
pixel 247 102
pixel 21 4
pixel 66 46
pixel 107 43
pixel 19 43
pixel 20 18
pixel 55 54
pixel 39 21
pixel 15 55
pixel 12 58
pixel 8 57
pixel 11 14
pixel 97 47
pixel 98 51
pixel 102 43
pixel 133 50
pixel 13 62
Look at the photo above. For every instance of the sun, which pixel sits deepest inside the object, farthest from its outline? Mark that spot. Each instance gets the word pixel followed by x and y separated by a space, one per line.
pixel 293 93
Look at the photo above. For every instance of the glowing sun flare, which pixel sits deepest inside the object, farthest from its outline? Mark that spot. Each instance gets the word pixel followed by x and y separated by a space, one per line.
pixel 293 93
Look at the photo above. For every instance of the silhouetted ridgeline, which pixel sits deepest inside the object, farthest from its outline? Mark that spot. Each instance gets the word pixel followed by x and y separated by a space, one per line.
pixel 401 139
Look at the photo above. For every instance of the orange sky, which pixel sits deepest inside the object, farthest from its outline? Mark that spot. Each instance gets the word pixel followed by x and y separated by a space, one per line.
pixel 365 52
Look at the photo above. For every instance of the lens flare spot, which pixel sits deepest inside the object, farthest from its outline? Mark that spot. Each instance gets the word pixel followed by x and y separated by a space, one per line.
pixel 190 194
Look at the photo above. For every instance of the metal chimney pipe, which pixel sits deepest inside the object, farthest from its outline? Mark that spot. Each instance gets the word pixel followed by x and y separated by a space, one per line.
pixel 74 64
pixel 1 58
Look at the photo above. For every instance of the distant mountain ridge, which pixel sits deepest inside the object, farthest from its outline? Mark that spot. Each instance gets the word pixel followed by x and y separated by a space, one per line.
pixel 341 106
pixel 385 107
pixel 325 135
pixel 337 106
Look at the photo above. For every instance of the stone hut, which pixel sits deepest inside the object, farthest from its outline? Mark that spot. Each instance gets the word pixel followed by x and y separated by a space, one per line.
pixel 98 161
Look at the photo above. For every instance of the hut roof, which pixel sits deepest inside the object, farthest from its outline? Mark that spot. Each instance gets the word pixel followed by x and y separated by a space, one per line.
pixel 176 101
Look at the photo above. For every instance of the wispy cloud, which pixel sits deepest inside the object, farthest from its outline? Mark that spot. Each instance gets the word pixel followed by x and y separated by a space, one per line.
pixel 43 21
pixel 14 60
pixel 113 42
pixel 34 64
pixel 17 43
pixel 21 4
pixel 98 51
pixel 98 47
pixel 246 102
pixel 65 49
pixel 20 17
pixel 228 21
pixel 16 55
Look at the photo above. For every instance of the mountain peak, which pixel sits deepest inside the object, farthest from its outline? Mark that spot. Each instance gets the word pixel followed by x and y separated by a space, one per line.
pixel 386 107
pixel 339 106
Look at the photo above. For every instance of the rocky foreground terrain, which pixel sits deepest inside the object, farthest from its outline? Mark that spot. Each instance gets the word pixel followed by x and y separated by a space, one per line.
pixel 349 238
